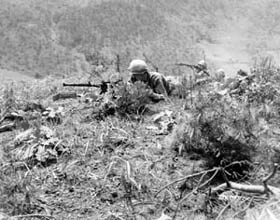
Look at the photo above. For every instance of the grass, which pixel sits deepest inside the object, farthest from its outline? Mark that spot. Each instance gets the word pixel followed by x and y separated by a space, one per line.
pixel 120 168
pixel 108 159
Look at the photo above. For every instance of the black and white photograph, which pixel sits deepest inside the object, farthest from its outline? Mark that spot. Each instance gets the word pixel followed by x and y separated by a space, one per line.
pixel 139 109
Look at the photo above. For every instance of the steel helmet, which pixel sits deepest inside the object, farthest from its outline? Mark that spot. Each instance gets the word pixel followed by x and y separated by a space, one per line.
pixel 220 75
pixel 137 66
pixel 242 73
pixel 221 72
pixel 202 64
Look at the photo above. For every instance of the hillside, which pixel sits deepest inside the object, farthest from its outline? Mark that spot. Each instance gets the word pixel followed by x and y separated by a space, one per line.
pixel 11 76
pixel 208 152
pixel 228 50
pixel 65 37
pixel 118 156
pixel 249 35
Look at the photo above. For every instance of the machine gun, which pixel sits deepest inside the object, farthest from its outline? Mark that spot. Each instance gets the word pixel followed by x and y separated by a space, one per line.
pixel 103 85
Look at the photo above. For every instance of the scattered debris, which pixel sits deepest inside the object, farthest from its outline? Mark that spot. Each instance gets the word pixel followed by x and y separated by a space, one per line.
pixel 19 117
pixel 13 116
pixel 31 111
pixel 258 189
pixel 32 106
pixel 7 127
pixel 10 121
pixel 164 122
pixel 162 115
pixel 54 116
pixel 59 96
pixel 38 146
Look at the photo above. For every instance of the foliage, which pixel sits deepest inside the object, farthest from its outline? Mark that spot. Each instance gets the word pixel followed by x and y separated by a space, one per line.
pixel 125 100
pixel 125 164
pixel 118 169
pixel 9 102
pixel 17 191
pixel 38 146
pixel 225 129
pixel 57 37
pixel 216 129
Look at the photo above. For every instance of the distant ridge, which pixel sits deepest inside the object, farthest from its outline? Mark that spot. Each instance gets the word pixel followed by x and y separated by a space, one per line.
pixel 63 37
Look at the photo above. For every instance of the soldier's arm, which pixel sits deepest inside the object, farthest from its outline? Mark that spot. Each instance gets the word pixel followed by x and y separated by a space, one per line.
pixel 203 73
pixel 160 88
pixel 206 72
pixel 158 93
pixel 156 97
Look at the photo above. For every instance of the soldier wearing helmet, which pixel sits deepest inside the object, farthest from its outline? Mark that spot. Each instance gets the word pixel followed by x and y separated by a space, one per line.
pixel 220 75
pixel 202 74
pixel 243 81
pixel 201 69
pixel 202 64
pixel 156 81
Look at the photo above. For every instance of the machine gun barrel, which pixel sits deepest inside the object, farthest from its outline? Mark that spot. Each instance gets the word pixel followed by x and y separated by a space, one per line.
pixel 81 85
pixel 103 85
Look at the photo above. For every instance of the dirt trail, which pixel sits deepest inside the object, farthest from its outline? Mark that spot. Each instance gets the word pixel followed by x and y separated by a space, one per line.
pixel 7 76
pixel 229 48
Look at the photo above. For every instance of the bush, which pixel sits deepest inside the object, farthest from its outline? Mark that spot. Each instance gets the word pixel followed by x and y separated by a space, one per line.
pixel 17 192
pixel 218 129
pixel 124 100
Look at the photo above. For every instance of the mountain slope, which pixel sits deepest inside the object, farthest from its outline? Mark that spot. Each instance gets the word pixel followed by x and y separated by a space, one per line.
pixel 50 37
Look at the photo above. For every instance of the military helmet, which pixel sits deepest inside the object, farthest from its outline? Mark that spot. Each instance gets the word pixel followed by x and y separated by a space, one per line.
pixel 202 64
pixel 221 72
pixel 242 73
pixel 137 66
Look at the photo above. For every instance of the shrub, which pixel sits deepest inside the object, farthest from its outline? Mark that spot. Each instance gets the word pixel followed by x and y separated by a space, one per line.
pixel 219 132
pixel 17 192
pixel 124 100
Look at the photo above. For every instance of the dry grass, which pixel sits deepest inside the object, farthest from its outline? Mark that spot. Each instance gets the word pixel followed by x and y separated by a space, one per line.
pixel 119 168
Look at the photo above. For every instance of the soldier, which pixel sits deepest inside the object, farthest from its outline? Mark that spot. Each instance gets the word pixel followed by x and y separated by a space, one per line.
pixel 220 75
pixel 242 73
pixel 160 87
pixel 201 70
pixel 202 74
pixel 219 79
pixel 244 80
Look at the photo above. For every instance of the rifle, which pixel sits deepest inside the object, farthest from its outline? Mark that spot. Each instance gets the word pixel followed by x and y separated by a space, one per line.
pixel 103 85
pixel 193 66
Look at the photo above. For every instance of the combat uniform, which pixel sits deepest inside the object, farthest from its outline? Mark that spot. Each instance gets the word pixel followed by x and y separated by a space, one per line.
pixel 202 74
pixel 158 84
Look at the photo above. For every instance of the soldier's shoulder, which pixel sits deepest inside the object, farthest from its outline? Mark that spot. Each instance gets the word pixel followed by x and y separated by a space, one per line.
pixel 156 75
